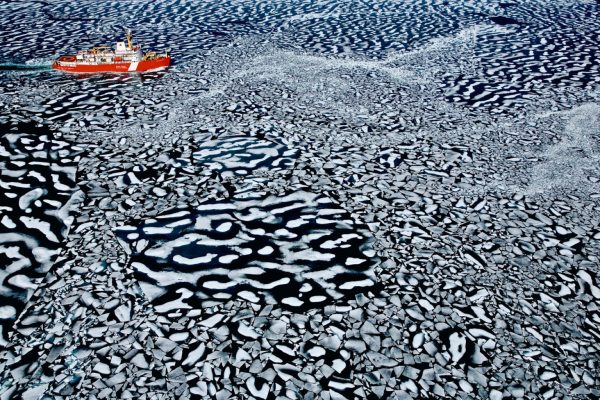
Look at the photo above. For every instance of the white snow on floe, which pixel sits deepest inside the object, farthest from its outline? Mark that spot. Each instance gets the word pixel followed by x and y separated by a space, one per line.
pixel 157 230
pixel 29 197
pixel 224 227
pixel 228 258
pixel 266 250
pixel 574 162
pixel 215 285
pixel 355 284
pixel 42 226
pixel 7 222
pixel 194 261
pixel 7 312
pixel 355 261
pixel 292 301
pixel 246 295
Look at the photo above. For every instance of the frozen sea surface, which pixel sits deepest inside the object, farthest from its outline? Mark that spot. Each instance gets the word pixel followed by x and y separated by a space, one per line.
pixel 329 199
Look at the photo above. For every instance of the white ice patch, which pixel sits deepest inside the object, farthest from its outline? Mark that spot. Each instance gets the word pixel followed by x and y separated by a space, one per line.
pixel 7 312
pixel 7 222
pixel 332 244
pixel 251 297
pixel 266 250
pixel 42 226
pixel 458 346
pixel 296 223
pixel 292 301
pixel 178 214
pixel 573 164
pixel 157 230
pixel 218 285
pixel 224 227
pixel 29 197
pixel 228 259
pixel 194 261
pixel 354 284
pixel 23 281
pixel 355 261
pixel 180 222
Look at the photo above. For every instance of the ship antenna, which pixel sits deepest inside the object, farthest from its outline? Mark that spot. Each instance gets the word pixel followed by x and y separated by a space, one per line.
pixel 128 34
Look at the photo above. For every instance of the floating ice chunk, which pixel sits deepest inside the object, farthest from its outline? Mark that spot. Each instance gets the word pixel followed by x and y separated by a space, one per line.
pixel 159 252
pixel 332 244
pixel 29 197
pixel 246 271
pixel 42 226
pixel 306 287
pixel 195 355
pixel 242 355
pixel 194 261
pixel 180 222
pixel 177 214
pixel 481 333
pixel 354 284
pixel 418 340
pixel 228 258
pixel 292 301
pixel 35 392
pixel 22 281
pixel 217 206
pixel 354 261
pixel 312 255
pixel 287 350
pixel 458 346
pixel 285 233
pixel 261 393
pixel 224 227
pixel 212 321
pixel 296 223
pixel 134 180
pixel 288 208
pixel 151 291
pixel 285 371
pixel 215 285
pixel 338 365
pixel 43 255
pixel 160 192
pixel 279 282
pixel 251 297
pixel 244 251
pixel 7 312
pixel 123 313
pixel 316 351
pixel 266 250
pixel 340 386
pixel 157 230
pixel 247 331
pixel 7 222
pixel 587 278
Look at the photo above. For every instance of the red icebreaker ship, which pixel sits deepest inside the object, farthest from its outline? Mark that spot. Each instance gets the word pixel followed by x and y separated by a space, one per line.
pixel 126 57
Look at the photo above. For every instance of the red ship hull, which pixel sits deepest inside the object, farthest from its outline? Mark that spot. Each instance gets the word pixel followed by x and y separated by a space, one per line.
pixel 69 64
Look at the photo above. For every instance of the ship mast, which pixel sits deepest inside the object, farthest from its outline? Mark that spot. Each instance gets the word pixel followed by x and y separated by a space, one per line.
pixel 128 34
